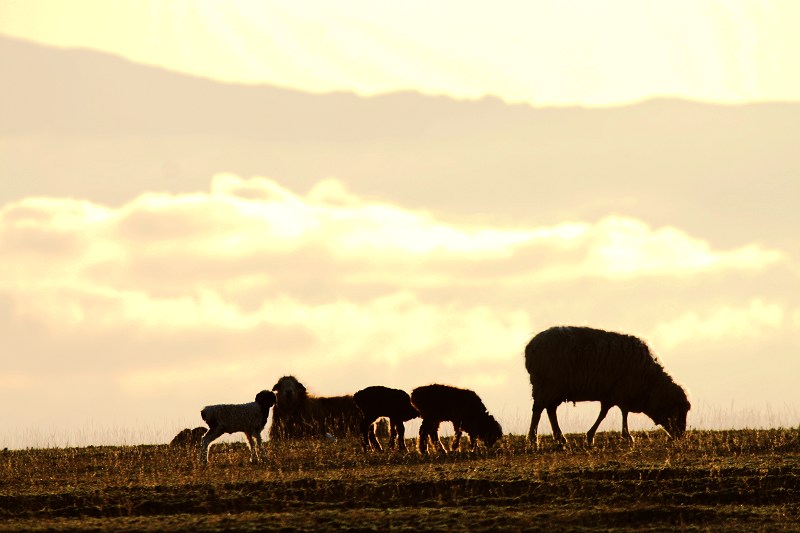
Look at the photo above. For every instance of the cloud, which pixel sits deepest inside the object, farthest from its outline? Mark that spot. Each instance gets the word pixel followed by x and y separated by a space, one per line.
pixel 238 216
pixel 729 324
pixel 626 247
pixel 252 252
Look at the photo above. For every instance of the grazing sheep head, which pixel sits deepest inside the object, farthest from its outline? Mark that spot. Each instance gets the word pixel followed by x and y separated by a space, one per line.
pixel 675 421
pixel 289 392
pixel 491 431
pixel 668 408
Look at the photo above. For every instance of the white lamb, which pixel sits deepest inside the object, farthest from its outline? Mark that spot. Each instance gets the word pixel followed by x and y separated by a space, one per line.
pixel 249 418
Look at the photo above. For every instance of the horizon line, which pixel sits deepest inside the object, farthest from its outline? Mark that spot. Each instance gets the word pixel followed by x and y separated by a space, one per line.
pixel 367 95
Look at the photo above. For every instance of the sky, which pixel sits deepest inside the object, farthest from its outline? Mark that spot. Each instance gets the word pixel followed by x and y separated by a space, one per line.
pixel 121 319
pixel 541 52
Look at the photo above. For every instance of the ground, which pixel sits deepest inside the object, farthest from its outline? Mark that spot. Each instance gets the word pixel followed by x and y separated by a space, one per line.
pixel 742 480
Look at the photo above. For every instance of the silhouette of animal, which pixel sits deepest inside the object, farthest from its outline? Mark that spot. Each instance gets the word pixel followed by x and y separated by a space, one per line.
pixel 298 414
pixel 577 364
pixel 376 402
pixel 442 403
pixel 188 437
pixel 249 418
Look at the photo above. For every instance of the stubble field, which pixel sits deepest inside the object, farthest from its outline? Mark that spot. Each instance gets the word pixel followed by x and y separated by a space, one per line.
pixel 741 480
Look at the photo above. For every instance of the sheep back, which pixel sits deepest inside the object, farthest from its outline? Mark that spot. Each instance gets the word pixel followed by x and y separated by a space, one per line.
pixel 232 418
pixel 248 417
pixel 378 401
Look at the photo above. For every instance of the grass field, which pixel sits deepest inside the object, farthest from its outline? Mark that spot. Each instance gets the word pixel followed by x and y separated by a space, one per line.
pixel 742 480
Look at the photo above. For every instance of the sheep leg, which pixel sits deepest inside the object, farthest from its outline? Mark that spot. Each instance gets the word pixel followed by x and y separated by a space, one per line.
pixel 253 449
pixel 429 430
pixel 604 407
pixel 625 432
pixel 262 446
pixel 211 435
pixel 373 439
pixel 422 442
pixel 401 435
pixel 254 441
pixel 437 442
pixel 364 427
pixel 536 415
pixel 392 433
pixel 557 435
pixel 456 437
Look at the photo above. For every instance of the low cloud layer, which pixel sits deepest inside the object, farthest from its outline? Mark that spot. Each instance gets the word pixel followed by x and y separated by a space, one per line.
pixel 169 302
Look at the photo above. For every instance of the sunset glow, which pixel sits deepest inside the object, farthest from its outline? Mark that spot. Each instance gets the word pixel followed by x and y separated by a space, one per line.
pixel 539 52
pixel 199 197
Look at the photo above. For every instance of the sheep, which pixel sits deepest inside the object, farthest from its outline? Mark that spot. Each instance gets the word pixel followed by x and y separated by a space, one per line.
pixel 298 414
pixel 376 402
pixel 188 437
pixel 440 403
pixel 576 364
pixel 249 418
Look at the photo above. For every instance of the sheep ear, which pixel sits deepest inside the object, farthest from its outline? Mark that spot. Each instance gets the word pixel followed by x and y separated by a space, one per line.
pixel 301 388
pixel 275 387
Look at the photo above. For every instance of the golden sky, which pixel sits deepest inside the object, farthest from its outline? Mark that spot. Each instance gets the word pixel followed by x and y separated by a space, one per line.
pixel 165 246
pixel 540 52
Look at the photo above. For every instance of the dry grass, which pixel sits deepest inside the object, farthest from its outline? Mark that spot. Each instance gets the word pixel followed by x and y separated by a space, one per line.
pixel 734 480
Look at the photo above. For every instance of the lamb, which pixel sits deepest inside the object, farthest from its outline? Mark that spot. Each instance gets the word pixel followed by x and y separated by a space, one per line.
pixel 298 414
pixel 376 402
pixel 579 364
pixel 188 437
pixel 249 418
pixel 440 403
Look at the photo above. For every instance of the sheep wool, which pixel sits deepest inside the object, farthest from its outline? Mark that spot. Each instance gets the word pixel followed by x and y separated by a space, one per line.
pixel 576 364
pixel 248 418
pixel 376 402
pixel 298 414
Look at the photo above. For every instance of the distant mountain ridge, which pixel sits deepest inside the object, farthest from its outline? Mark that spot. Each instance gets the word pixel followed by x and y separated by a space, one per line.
pixel 85 92
pixel 92 125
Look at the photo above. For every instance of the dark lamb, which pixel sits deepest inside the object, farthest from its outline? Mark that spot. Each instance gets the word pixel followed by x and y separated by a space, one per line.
pixel 188 438
pixel 376 402
pixel 298 414
pixel 443 403
pixel 578 364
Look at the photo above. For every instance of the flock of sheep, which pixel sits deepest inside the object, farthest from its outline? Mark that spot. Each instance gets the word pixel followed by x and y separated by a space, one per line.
pixel 566 364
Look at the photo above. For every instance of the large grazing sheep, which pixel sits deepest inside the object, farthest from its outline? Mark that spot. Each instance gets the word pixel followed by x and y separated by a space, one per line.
pixel 441 403
pixel 249 418
pixel 376 402
pixel 298 414
pixel 576 364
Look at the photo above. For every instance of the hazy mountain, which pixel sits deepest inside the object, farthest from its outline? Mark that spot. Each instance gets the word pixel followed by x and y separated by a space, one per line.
pixel 91 125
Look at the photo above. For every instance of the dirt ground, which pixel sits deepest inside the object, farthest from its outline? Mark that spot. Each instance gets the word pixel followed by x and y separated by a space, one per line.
pixel 742 480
